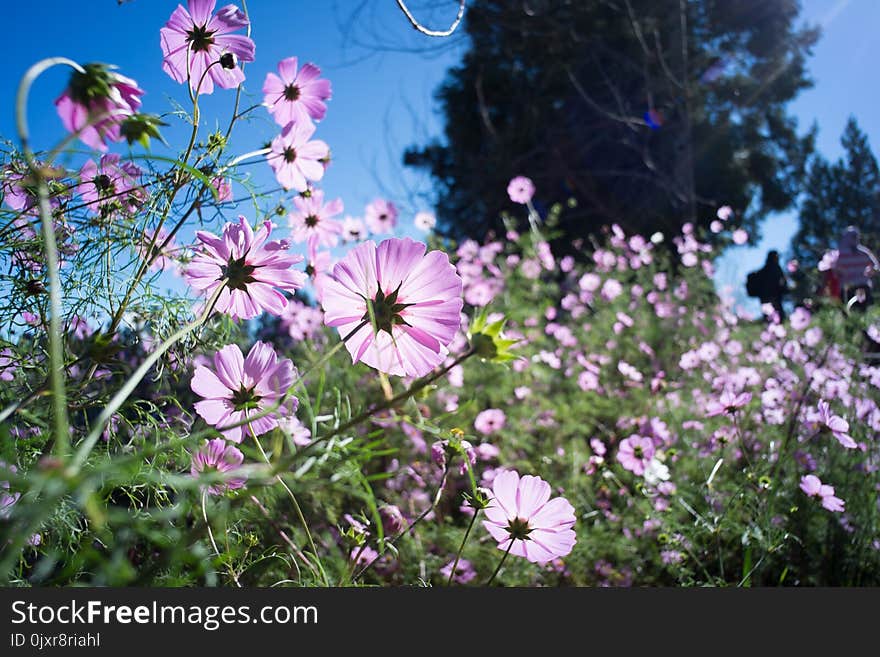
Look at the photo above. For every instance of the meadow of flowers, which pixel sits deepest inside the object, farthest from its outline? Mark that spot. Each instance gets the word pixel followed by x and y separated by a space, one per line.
pixel 326 401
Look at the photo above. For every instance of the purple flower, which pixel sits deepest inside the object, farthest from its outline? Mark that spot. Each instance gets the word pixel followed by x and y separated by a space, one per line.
pixel 635 453
pixel 728 402
pixel 397 306
pixel 464 571
pixel 521 189
pixel 96 102
pixel 812 486
pixel 194 41
pixel 108 185
pixel 296 96
pixel 489 421
pixel 381 217
pixel 296 160
pixel 521 512
pixel 312 218
pixel 239 387
pixel 217 456
pixel 836 425
pixel 252 267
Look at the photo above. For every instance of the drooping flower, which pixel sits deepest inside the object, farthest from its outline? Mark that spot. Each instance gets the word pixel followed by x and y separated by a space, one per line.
pixel 813 486
pixel 194 44
pixel 95 103
pixel 251 266
pixel 489 421
pixel 218 456
pixel 312 218
pixel 381 217
pixel 740 236
pixel 109 185
pixel 521 512
pixel 635 453
pixel 240 387
pixel 295 159
pixel 7 499
pixel 296 95
pixel 834 424
pixel 397 307
pixel 521 189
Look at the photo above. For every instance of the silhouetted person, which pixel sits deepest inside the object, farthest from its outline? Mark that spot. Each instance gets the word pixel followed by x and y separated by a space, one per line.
pixel 771 284
pixel 855 267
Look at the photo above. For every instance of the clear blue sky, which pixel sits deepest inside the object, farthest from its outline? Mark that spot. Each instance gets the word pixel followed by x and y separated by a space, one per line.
pixel 383 98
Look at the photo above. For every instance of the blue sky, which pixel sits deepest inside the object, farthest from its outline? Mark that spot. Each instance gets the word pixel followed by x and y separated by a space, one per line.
pixel 383 98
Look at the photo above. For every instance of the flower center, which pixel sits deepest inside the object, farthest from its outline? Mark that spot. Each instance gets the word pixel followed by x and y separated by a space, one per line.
pixel 103 183
pixel 244 399
pixel 200 38
pixel 311 221
pixel 238 274
pixel 385 310
pixel 638 452
pixel 291 92
pixel 289 154
pixel 519 529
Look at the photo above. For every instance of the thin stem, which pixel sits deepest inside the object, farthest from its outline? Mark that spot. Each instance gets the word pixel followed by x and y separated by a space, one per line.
pixel 296 508
pixel 50 247
pixel 500 563
pixel 461 548
pixel 413 524
pixel 211 536
pixel 119 398
pixel 393 401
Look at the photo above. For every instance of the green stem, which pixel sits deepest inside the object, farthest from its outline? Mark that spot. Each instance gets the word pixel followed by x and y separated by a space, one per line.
pixel 391 403
pixel 461 548
pixel 50 247
pixel 119 398
pixel 296 508
pixel 501 563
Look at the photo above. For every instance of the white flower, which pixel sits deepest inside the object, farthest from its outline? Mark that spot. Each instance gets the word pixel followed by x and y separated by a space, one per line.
pixel 655 472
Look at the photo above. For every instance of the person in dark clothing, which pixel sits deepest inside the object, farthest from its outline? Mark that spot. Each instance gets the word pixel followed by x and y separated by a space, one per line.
pixel 772 284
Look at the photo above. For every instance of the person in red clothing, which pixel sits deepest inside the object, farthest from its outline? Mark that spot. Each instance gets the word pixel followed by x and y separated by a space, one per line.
pixel 855 268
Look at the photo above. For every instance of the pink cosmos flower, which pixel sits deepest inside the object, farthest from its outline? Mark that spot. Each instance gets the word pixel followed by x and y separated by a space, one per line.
pixel 813 487
pixel 522 518
pixel 353 229
pixel 521 189
pixel 296 95
pixel 217 456
pixel 489 421
pixel 740 236
pixel 163 259
pixel 252 267
pixel 425 221
pixel 296 160
pixel 635 453
pixel 312 218
pixel 194 41
pixel 728 402
pixel 238 387
pixel 724 213
pixel 223 188
pixel 836 425
pixel 414 299
pixel 96 102
pixel 464 571
pixel 107 184
pixel 381 217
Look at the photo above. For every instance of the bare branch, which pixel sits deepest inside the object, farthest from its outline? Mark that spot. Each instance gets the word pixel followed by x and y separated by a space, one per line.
pixel 432 33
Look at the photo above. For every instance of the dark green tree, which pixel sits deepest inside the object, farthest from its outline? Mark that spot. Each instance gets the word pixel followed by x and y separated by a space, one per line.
pixel 650 112
pixel 837 195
